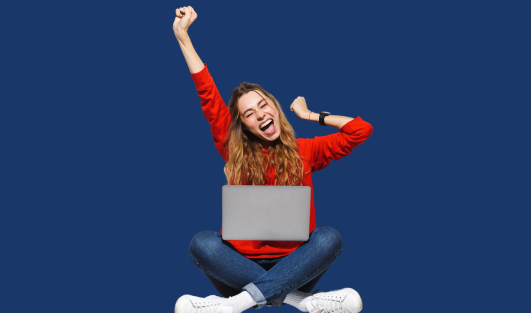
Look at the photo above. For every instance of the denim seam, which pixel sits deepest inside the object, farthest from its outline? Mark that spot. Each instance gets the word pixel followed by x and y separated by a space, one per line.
pixel 309 277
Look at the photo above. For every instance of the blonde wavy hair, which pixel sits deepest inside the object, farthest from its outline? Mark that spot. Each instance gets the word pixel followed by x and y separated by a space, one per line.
pixel 246 161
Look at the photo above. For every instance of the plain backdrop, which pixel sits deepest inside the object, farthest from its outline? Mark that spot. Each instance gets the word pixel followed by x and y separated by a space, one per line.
pixel 109 168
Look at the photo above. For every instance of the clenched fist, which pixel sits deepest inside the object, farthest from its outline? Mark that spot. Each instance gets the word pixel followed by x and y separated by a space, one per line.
pixel 185 16
pixel 299 107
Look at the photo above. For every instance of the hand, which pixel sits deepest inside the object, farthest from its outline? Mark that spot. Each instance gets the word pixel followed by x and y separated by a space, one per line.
pixel 185 16
pixel 299 107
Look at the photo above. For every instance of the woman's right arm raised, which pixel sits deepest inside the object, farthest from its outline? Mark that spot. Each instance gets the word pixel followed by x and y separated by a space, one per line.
pixel 185 16
pixel 213 106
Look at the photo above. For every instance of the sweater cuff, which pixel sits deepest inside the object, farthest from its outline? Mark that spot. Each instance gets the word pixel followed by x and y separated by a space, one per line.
pixel 355 125
pixel 202 79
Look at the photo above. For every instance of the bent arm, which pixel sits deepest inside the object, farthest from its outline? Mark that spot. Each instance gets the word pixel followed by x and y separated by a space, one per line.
pixel 322 150
pixel 300 108
pixel 333 120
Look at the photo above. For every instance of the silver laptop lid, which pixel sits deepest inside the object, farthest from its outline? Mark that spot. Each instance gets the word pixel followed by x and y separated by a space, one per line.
pixel 276 213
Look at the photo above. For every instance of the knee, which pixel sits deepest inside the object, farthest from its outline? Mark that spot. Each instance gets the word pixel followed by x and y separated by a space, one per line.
pixel 328 239
pixel 204 244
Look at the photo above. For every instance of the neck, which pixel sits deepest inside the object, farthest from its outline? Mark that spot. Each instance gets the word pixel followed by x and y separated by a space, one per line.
pixel 267 144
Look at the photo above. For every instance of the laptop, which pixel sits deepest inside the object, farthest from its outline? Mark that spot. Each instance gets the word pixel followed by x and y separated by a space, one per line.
pixel 276 213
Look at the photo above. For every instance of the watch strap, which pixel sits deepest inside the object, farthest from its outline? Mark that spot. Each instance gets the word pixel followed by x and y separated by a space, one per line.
pixel 322 115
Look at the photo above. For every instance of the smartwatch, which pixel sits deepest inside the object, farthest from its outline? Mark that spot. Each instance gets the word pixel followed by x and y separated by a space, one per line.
pixel 322 116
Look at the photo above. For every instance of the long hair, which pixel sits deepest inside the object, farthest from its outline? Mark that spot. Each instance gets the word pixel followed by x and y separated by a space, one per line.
pixel 246 164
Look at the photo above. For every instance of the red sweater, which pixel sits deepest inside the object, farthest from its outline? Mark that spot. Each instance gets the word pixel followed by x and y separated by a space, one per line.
pixel 316 154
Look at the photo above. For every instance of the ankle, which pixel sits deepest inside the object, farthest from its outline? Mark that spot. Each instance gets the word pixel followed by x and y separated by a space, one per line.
pixel 298 300
pixel 240 302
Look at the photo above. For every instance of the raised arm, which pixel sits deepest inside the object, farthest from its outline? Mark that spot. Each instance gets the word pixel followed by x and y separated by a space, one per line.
pixel 214 108
pixel 301 109
pixel 185 16
pixel 321 150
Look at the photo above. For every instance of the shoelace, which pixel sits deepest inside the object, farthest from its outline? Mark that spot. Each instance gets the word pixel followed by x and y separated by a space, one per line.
pixel 207 306
pixel 328 304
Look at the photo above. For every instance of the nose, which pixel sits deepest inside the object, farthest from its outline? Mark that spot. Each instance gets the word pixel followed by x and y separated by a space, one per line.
pixel 260 114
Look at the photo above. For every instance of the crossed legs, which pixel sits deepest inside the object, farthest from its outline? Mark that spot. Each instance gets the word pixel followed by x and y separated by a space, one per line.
pixel 232 273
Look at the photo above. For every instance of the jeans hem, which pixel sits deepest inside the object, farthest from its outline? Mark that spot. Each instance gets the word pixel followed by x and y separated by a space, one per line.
pixel 256 294
pixel 278 302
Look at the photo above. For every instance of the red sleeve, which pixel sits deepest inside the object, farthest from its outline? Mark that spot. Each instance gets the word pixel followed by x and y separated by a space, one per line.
pixel 324 149
pixel 214 109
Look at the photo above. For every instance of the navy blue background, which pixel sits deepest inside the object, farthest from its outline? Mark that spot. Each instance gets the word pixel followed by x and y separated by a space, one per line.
pixel 109 168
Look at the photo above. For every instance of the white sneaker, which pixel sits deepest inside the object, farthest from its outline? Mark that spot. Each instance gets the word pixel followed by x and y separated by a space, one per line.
pixel 346 300
pixel 210 304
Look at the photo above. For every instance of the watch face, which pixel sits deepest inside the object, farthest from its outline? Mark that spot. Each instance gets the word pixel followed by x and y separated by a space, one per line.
pixel 327 113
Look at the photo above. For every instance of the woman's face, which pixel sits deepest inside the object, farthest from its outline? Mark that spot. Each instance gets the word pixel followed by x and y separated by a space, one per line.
pixel 260 117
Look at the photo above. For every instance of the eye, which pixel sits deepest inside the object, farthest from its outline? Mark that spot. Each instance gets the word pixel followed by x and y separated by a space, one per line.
pixel 249 115
pixel 264 105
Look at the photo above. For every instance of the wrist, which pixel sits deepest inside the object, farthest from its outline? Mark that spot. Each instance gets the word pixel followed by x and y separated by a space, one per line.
pixel 182 36
pixel 312 116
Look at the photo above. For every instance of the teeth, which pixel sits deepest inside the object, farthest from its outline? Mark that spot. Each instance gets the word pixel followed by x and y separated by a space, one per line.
pixel 266 123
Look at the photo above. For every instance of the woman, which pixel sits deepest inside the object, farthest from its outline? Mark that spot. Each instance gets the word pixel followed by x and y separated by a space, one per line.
pixel 259 147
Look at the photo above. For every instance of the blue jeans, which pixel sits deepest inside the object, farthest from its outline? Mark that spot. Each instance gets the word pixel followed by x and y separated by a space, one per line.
pixel 268 281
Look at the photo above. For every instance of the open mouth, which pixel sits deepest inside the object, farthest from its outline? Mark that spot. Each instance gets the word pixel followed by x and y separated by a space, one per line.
pixel 268 127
